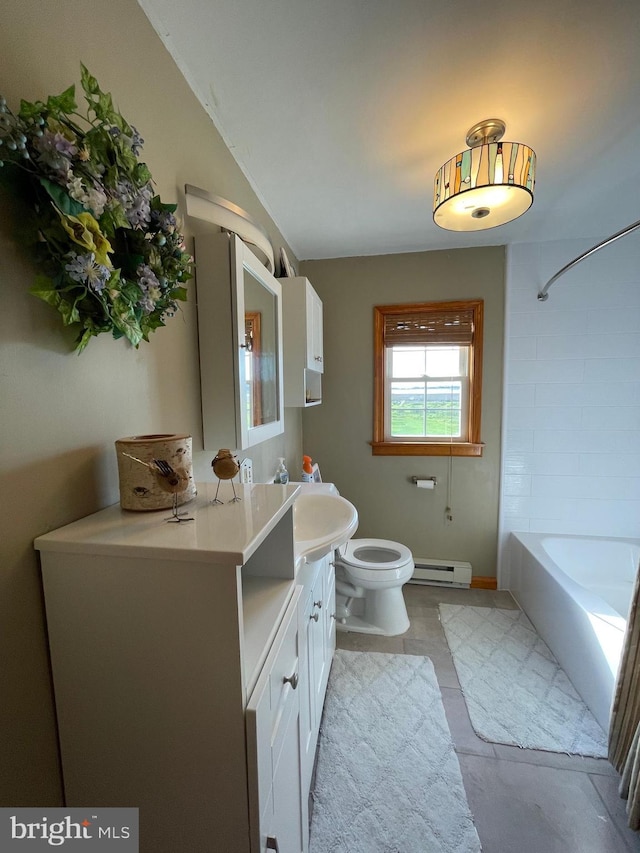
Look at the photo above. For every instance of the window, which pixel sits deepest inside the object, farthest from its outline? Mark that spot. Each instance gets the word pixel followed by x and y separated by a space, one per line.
pixel 428 379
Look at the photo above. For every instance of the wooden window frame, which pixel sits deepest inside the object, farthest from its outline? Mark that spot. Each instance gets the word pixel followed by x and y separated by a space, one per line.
pixel 380 446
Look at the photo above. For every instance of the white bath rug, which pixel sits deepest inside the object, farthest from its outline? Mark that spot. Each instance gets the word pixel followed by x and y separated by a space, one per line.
pixel 515 690
pixel 387 777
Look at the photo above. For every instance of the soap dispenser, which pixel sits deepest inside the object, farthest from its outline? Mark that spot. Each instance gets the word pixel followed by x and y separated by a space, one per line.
pixel 282 475
pixel 307 470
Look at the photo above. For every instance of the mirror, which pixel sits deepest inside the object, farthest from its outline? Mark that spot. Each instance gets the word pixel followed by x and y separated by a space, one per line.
pixel 259 318
pixel 260 405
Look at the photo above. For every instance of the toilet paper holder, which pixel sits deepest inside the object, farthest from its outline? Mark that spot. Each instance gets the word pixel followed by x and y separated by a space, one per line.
pixel 425 482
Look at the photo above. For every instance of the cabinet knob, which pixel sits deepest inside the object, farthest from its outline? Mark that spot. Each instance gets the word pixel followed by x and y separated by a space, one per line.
pixel 293 681
pixel 314 616
pixel 318 358
pixel 272 843
pixel 318 604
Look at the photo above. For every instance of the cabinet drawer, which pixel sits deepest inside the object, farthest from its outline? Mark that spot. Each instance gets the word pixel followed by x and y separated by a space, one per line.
pixel 274 699
pixel 284 678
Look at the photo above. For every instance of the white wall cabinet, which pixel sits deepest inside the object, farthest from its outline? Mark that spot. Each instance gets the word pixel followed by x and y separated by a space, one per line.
pixel 240 344
pixel 182 669
pixel 303 342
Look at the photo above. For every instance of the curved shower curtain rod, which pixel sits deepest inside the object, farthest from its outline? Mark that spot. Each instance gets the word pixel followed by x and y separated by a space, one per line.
pixel 543 295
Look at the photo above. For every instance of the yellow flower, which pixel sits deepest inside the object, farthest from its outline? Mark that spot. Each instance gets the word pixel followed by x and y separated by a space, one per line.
pixel 85 231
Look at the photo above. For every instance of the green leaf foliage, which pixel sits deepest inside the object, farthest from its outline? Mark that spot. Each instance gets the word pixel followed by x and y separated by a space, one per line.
pixel 119 265
pixel 64 103
pixel 46 290
pixel 61 198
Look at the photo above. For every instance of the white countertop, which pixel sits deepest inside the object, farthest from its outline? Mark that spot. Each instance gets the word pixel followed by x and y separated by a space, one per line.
pixel 227 533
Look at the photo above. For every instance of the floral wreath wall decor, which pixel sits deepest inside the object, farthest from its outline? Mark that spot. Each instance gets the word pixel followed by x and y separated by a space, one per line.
pixel 111 255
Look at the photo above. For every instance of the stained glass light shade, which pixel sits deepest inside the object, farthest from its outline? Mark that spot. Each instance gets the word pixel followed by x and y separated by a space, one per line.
pixel 484 186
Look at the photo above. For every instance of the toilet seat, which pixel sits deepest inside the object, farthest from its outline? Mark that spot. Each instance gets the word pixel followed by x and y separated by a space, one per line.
pixel 375 554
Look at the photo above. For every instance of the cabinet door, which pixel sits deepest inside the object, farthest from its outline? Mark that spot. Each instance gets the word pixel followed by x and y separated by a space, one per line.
pixel 327 636
pixel 277 817
pixel 307 708
pixel 287 828
pixel 330 612
pixel 318 627
pixel 312 630
pixel 315 348
pixel 319 670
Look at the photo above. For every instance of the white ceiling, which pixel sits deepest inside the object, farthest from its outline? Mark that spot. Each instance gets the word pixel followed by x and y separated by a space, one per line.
pixel 339 112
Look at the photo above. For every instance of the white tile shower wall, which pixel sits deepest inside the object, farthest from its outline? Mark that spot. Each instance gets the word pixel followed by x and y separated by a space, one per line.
pixel 571 449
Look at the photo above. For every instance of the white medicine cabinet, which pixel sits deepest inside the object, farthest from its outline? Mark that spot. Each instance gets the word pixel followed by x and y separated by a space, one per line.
pixel 240 344
pixel 303 342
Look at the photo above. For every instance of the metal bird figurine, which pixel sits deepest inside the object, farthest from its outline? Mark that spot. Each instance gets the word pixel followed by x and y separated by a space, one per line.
pixel 171 480
pixel 225 467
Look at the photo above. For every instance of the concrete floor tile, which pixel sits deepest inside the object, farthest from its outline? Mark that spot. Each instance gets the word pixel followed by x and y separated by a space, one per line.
pixel 480 598
pixel 425 628
pixel 422 646
pixel 356 642
pixel 607 788
pixel 430 611
pixel 415 593
pixel 503 598
pixel 464 737
pixel 533 809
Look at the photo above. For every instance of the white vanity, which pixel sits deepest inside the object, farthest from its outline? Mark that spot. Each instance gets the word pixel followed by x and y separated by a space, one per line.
pixel 190 663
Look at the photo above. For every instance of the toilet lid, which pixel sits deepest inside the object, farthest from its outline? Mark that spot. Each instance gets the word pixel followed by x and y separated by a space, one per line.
pixel 375 554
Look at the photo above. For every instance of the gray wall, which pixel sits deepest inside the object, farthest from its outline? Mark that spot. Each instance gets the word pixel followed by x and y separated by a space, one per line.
pixel 60 413
pixel 337 433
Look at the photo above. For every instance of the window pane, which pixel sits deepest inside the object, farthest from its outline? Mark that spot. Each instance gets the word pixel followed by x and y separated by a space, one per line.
pixel 408 361
pixel 408 408
pixel 444 361
pixel 426 409
pixel 444 409
pixel 428 361
pixel 444 422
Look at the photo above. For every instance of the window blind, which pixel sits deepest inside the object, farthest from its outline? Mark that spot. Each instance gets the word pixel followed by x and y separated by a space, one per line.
pixel 429 327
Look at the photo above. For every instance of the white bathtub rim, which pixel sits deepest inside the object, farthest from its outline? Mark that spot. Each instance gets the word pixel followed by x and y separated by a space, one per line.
pixel 591 602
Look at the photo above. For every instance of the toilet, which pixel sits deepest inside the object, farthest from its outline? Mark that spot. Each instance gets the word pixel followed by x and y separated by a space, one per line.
pixel 370 574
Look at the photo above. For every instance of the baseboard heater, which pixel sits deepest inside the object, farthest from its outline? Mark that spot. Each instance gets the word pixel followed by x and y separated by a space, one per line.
pixel 441 573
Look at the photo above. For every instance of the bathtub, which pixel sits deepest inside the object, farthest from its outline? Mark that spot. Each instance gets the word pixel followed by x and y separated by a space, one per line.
pixel 577 591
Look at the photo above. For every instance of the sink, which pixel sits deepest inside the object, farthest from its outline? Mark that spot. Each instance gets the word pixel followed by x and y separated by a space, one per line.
pixel 321 522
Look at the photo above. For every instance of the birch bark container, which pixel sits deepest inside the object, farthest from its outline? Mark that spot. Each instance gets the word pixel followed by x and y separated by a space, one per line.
pixel 140 487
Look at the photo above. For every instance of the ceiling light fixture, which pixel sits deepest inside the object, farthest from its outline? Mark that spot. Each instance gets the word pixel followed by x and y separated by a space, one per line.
pixel 488 184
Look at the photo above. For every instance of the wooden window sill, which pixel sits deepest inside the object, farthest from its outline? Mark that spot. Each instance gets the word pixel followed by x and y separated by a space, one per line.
pixel 414 448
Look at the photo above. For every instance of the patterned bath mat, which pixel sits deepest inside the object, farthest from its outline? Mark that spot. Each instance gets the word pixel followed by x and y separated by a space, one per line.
pixel 387 777
pixel 516 691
